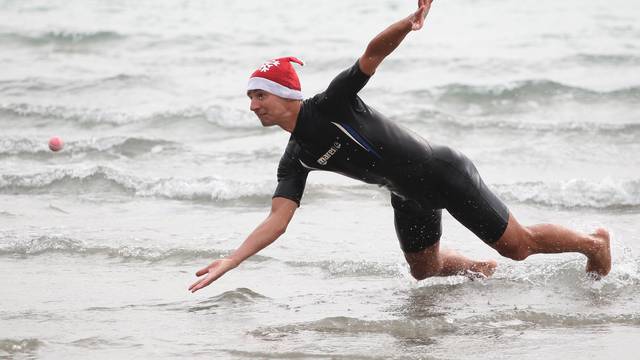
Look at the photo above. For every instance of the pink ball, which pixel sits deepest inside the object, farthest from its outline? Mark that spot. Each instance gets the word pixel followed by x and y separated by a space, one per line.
pixel 55 144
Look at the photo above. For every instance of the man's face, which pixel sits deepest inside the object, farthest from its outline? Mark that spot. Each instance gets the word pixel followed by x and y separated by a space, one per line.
pixel 268 108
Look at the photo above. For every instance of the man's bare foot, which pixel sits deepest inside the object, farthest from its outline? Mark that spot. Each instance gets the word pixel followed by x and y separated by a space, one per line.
pixel 484 268
pixel 599 263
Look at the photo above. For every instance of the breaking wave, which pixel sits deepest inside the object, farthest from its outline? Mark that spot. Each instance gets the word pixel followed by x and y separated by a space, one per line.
pixel 33 85
pixel 14 347
pixel 526 319
pixel 111 147
pixel 530 90
pixel 54 244
pixel 351 268
pixel 606 59
pixel 441 119
pixel 103 179
pixel 607 194
pixel 416 329
pixel 216 116
pixel 62 37
pixel 520 96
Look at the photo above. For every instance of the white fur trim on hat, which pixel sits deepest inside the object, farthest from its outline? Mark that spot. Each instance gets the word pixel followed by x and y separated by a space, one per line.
pixel 258 83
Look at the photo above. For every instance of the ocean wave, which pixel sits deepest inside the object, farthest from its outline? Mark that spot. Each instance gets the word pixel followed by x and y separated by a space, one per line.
pixel 96 342
pixel 62 37
pixel 105 180
pixel 112 147
pixel 14 347
pixel 59 244
pixel 519 96
pixel 443 119
pixel 399 328
pixel 607 194
pixel 528 319
pixel 217 116
pixel 570 273
pixel 225 117
pixel 231 298
pixel 296 355
pixel 435 326
pixel 606 59
pixel 98 179
pixel 88 117
pixel 527 90
pixel 31 85
pixel 27 85
pixel 351 268
pixel 237 297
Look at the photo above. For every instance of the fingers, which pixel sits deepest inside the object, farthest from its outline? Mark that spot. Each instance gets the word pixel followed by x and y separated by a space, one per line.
pixel 214 271
pixel 418 19
pixel 212 275
pixel 203 282
pixel 422 13
pixel 199 285
pixel 206 269
pixel 195 286
pixel 202 271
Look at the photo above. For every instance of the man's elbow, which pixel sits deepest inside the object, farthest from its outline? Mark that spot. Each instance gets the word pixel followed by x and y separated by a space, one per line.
pixel 281 229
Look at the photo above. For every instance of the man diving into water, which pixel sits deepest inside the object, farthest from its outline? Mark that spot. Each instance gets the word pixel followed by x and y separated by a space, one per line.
pixel 336 131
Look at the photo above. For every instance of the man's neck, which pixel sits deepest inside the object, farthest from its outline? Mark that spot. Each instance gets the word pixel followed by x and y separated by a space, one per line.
pixel 291 119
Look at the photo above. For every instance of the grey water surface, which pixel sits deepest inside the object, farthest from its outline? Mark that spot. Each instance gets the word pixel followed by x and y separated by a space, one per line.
pixel 165 169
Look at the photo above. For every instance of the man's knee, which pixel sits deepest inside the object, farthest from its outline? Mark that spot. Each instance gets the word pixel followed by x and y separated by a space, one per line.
pixel 515 245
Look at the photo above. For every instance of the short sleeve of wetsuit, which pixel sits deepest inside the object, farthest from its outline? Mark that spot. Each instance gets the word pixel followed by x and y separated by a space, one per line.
pixel 292 176
pixel 346 85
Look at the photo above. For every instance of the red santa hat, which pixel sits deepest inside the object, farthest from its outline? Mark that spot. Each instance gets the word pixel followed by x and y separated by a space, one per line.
pixel 278 77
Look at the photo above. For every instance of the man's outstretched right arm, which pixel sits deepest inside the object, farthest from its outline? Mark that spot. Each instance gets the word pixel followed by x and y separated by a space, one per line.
pixel 267 232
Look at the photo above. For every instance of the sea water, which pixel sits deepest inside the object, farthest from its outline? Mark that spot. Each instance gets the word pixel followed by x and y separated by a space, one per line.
pixel 165 169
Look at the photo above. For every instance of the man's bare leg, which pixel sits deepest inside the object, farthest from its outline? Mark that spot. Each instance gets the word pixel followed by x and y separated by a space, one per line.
pixel 433 262
pixel 518 242
pixel 454 263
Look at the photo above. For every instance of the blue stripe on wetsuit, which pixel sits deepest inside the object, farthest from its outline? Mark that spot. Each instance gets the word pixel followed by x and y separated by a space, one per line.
pixel 361 140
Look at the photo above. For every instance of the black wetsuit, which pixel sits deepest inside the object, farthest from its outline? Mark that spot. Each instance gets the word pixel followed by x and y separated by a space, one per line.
pixel 336 131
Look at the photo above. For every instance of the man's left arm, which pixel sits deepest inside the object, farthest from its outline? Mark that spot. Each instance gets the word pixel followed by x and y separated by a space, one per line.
pixel 388 40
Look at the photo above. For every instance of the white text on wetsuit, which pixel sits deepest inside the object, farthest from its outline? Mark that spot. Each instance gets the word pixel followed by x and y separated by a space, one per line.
pixel 332 150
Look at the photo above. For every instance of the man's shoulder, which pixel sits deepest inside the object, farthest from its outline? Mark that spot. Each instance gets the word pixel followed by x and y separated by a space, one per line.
pixel 315 100
pixel 324 104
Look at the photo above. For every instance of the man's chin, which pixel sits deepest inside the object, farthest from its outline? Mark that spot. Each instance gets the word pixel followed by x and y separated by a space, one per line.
pixel 265 122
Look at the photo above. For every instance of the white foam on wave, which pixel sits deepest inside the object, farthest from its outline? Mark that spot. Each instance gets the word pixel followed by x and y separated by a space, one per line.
pixel 222 116
pixel 15 347
pixel 607 193
pixel 103 179
pixel 112 146
pixel 577 193
pixel 36 245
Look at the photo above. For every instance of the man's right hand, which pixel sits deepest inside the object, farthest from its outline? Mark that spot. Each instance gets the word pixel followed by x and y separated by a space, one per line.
pixel 267 232
pixel 417 18
pixel 214 271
